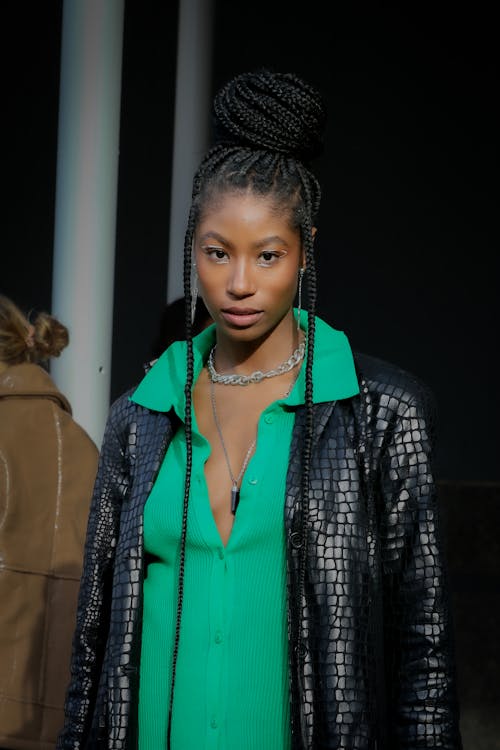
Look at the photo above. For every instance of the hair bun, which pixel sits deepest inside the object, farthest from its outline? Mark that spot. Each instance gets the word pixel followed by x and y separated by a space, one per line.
pixel 273 111
pixel 50 336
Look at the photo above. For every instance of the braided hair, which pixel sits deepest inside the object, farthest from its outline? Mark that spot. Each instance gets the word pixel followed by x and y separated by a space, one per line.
pixel 268 127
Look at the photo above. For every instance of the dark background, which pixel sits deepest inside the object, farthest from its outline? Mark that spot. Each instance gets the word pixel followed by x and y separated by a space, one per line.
pixel 407 247
pixel 407 252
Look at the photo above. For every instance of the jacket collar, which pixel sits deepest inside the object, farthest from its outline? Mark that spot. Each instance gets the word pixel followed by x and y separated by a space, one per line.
pixel 30 381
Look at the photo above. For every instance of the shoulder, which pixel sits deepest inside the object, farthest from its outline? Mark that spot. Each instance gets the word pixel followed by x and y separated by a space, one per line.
pixel 126 417
pixel 33 383
pixel 123 411
pixel 391 386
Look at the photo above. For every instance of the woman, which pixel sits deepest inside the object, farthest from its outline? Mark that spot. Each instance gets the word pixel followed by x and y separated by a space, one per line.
pixel 263 565
pixel 48 465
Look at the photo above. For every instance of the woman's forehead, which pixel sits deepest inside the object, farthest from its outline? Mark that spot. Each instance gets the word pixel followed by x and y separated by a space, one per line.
pixel 244 205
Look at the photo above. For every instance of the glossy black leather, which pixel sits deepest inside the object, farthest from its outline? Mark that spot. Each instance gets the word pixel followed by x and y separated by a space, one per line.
pixel 371 643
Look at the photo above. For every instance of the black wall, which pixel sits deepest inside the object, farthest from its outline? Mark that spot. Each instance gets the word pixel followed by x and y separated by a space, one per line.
pixel 406 247
pixel 29 95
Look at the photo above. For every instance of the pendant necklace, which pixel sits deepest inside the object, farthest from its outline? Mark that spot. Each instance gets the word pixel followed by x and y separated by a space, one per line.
pixel 235 488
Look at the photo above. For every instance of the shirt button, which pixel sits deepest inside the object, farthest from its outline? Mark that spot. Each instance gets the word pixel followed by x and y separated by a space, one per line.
pixel 221 553
pixel 269 418
pixel 213 722
pixel 218 637
pixel 253 480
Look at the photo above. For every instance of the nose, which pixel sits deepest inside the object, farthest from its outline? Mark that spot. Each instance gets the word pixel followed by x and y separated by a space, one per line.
pixel 241 282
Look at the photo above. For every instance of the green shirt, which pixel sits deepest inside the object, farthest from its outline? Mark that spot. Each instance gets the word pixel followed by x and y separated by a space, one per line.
pixel 231 686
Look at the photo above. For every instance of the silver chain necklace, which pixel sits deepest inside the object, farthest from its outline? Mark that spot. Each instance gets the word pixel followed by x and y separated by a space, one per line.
pixel 258 375
pixel 235 489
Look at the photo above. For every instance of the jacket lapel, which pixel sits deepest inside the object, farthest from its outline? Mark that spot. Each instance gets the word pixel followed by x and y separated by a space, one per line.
pixel 321 414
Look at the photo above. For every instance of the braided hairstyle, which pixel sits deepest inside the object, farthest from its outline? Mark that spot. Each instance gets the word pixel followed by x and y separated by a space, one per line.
pixel 268 127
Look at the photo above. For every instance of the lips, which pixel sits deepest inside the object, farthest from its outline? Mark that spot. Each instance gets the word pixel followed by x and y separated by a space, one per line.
pixel 241 317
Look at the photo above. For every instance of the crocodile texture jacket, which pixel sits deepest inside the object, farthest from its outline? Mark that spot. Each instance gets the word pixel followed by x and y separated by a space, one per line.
pixel 371 645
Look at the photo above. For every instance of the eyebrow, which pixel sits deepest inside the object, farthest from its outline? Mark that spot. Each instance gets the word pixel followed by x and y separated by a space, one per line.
pixel 210 235
pixel 268 240
pixel 214 236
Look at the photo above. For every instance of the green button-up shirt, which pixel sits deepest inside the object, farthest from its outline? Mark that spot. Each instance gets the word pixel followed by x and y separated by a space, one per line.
pixel 232 671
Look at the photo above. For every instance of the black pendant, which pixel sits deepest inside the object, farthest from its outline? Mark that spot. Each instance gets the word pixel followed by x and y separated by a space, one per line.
pixel 235 498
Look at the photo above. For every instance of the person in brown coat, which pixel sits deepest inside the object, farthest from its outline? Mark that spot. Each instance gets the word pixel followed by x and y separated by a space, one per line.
pixel 47 470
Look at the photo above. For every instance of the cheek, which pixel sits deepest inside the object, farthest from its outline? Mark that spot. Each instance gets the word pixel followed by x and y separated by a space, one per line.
pixel 203 271
pixel 206 280
pixel 286 284
pixel 209 288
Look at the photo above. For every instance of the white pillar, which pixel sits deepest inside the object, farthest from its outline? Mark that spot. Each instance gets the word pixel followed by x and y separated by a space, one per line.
pixel 85 213
pixel 191 123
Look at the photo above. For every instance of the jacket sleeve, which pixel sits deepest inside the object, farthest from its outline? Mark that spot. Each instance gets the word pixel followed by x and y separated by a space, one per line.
pixel 93 611
pixel 422 707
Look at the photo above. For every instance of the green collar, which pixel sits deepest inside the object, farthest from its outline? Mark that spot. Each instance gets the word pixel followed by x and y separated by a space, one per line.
pixel 334 375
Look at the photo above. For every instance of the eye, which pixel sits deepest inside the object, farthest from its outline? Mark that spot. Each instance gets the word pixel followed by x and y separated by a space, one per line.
pixel 268 258
pixel 217 254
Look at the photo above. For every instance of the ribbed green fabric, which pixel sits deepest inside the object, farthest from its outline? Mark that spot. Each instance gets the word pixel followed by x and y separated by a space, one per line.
pixel 231 684
pixel 231 688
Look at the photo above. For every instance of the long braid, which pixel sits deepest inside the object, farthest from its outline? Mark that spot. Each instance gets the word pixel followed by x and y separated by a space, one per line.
pixel 267 127
pixel 212 161
pixel 306 230
pixel 189 459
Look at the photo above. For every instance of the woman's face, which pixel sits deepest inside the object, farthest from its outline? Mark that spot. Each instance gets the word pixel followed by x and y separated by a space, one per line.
pixel 247 257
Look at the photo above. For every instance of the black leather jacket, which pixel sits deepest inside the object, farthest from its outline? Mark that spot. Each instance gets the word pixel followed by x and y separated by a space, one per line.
pixel 371 656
